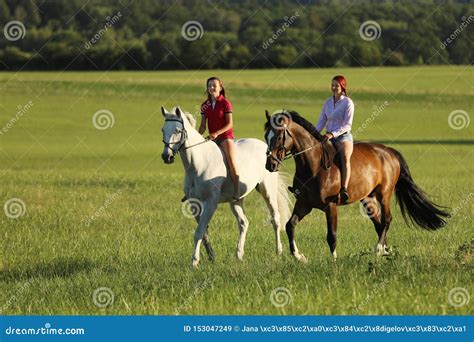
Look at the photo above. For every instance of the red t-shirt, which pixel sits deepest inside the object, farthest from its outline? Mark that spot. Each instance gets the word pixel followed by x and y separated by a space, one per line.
pixel 216 117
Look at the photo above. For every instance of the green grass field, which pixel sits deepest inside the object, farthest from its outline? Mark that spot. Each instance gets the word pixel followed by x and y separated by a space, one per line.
pixel 139 244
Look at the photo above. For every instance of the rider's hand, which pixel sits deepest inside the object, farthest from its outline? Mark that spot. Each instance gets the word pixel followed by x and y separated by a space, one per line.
pixel 327 136
pixel 214 135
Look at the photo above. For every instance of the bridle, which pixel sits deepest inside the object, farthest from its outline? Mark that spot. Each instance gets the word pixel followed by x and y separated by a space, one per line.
pixel 282 147
pixel 325 158
pixel 182 139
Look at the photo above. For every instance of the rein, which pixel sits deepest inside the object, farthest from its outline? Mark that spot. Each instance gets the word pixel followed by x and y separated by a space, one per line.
pixel 325 156
pixel 199 143
pixel 182 139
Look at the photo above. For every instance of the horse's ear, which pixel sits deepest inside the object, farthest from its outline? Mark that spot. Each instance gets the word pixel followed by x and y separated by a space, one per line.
pixel 163 111
pixel 178 112
pixel 267 114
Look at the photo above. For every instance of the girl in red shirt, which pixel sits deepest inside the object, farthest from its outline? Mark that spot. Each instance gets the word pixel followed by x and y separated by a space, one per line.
pixel 217 112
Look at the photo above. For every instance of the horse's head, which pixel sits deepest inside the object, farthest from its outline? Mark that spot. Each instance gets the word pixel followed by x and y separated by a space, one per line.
pixel 278 138
pixel 174 134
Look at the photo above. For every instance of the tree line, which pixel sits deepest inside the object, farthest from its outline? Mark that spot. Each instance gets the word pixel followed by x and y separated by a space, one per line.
pixel 160 34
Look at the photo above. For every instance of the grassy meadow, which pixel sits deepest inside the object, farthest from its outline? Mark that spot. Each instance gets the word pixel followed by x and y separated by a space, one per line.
pixel 101 209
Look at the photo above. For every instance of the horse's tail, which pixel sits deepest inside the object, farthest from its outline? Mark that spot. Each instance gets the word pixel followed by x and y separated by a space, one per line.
pixel 284 200
pixel 414 203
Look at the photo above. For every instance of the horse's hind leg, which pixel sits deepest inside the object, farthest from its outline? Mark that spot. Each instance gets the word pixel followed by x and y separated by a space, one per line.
pixel 378 209
pixel 207 246
pixel 299 211
pixel 243 223
pixel 372 208
pixel 269 193
pixel 331 220
pixel 386 219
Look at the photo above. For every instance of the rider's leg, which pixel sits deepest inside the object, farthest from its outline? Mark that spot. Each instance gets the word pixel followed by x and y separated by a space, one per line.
pixel 228 147
pixel 345 150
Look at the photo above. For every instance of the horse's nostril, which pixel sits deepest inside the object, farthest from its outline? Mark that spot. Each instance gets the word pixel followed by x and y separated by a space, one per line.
pixel 167 158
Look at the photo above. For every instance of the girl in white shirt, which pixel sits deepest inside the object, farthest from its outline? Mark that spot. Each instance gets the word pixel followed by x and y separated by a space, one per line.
pixel 336 115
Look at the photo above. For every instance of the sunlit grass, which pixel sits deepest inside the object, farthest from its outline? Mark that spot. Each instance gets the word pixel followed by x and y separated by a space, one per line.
pixel 140 245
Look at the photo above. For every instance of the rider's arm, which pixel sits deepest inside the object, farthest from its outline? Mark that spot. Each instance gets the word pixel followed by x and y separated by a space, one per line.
pixel 202 127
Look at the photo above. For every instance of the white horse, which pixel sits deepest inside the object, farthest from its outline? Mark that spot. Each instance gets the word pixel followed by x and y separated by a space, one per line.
pixel 207 181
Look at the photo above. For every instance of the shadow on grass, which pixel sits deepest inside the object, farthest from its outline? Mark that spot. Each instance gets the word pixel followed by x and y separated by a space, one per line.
pixel 62 268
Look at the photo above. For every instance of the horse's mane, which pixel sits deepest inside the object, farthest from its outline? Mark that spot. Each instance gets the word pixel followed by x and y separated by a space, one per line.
pixel 297 118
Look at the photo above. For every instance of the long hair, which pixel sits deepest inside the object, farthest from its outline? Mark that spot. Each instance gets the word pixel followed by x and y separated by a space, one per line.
pixel 214 78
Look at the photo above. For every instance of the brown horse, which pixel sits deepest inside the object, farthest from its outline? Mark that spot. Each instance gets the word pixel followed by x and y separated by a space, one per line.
pixel 377 171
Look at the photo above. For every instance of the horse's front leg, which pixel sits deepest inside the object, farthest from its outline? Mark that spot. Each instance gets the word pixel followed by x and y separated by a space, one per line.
pixel 300 211
pixel 186 187
pixel 209 207
pixel 207 243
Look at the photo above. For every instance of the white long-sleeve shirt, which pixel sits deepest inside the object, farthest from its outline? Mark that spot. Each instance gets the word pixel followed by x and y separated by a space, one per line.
pixel 337 117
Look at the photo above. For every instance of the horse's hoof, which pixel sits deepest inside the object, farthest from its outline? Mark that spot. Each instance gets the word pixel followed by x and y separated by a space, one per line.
pixel 279 250
pixel 381 250
pixel 240 256
pixel 301 258
pixel 195 263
